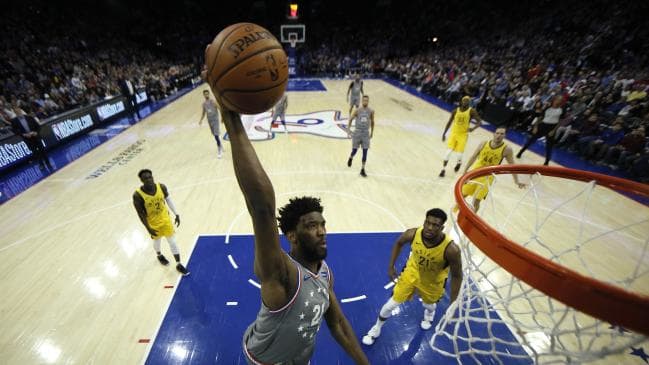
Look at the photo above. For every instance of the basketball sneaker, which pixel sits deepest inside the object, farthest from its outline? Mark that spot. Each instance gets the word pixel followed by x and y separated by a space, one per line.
pixel 372 335
pixel 427 322
pixel 163 260
pixel 363 174
pixel 457 167
pixel 181 269
pixel 441 174
pixel 349 162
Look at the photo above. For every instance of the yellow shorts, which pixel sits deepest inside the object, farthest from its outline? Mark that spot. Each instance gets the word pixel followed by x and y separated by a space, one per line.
pixel 429 291
pixel 165 229
pixel 457 142
pixel 478 187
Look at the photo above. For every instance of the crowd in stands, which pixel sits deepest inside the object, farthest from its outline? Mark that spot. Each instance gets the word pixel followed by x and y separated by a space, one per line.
pixel 594 57
pixel 512 55
pixel 56 59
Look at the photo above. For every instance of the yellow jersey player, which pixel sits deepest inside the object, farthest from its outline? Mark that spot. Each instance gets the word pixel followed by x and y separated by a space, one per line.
pixel 460 119
pixel 151 201
pixel 488 153
pixel 433 254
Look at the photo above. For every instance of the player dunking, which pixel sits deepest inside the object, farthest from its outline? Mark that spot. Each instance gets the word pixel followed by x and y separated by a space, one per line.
pixel 279 111
pixel 488 153
pixel 355 90
pixel 151 201
pixel 363 132
pixel 296 288
pixel 432 255
pixel 460 118
pixel 210 109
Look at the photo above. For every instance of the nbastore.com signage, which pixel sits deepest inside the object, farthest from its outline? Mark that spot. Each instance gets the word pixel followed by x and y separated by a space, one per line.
pixel 63 127
pixel 110 109
pixel 71 126
pixel 12 151
pixel 141 97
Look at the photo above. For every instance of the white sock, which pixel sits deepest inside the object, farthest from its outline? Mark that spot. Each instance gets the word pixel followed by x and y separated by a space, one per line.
pixel 386 311
pixel 379 323
pixel 429 309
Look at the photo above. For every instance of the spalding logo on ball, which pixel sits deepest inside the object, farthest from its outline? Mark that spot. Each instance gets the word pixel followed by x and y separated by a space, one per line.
pixel 246 68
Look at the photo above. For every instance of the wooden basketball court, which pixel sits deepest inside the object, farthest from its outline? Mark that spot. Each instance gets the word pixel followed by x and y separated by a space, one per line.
pixel 81 282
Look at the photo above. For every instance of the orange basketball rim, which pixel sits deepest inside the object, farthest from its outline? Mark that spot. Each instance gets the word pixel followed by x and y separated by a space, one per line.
pixel 593 297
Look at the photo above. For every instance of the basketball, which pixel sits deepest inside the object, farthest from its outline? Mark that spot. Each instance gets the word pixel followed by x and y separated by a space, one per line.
pixel 247 68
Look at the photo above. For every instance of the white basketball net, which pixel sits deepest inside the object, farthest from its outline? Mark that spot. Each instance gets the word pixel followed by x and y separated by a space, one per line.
pixel 569 223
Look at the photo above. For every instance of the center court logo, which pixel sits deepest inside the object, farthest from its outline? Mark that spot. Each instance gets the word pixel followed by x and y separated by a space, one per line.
pixel 326 123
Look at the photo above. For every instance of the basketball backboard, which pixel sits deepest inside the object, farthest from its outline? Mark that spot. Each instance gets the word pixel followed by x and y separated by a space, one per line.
pixel 293 33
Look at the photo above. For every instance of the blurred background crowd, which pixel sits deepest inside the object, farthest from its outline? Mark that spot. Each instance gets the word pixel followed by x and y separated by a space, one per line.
pixel 516 56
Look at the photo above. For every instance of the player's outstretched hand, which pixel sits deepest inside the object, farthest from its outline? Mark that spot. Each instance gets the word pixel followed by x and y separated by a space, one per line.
pixel 177 220
pixel 443 138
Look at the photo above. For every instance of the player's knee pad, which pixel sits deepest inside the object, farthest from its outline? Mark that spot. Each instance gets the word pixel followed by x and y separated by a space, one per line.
pixel 386 310
pixel 172 245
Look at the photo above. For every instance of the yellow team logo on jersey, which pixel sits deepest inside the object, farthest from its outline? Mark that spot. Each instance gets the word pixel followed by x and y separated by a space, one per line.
pixel 461 121
pixel 459 130
pixel 426 272
pixel 488 156
pixel 156 212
